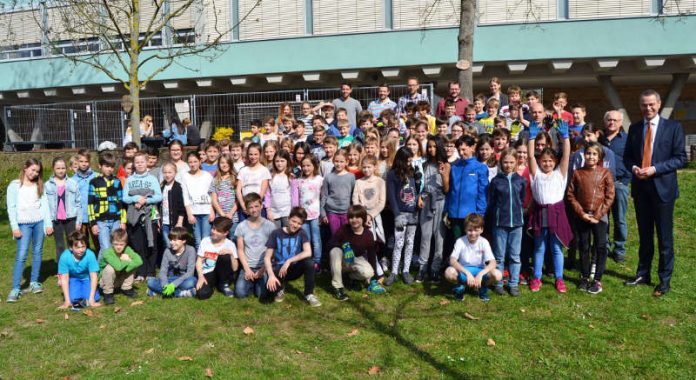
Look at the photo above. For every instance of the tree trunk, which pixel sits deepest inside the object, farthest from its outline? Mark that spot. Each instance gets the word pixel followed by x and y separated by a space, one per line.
pixel 133 78
pixel 467 23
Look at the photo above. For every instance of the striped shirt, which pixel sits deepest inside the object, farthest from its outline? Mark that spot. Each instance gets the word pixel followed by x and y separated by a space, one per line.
pixel 376 107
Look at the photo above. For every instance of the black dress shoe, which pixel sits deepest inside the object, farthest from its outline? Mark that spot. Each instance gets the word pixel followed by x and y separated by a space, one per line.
pixel 661 290
pixel 640 280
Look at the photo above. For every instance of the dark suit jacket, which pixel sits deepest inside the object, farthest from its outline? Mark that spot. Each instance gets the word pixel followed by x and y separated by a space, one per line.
pixel 668 155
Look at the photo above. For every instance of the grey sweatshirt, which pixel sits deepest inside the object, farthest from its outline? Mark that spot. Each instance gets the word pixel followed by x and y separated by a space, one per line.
pixel 182 267
pixel 336 193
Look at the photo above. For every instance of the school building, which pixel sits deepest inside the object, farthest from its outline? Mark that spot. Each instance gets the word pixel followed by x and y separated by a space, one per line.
pixel 602 53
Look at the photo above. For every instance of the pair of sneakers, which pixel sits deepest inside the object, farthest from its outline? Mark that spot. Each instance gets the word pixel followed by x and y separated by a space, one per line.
pixel 460 290
pixel 311 299
pixel 16 294
pixel 535 285
pixel 592 287
pixel 406 278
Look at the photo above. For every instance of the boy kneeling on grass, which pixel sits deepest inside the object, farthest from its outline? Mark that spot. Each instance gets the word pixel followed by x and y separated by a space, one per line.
pixel 177 271
pixel 252 235
pixel 118 264
pixel 79 272
pixel 472 263
pixel 288 257
pixel 217 260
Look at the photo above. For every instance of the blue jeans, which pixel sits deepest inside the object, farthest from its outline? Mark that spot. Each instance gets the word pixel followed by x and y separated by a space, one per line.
pixel 311 228
pixel 155 284
pixel 165 235
pixel 106 227
pixel 540 249
pixel 31 233
pixel 618 212
pixel 243 287
pixel 201 229
pixel 79 289
pixel 507 242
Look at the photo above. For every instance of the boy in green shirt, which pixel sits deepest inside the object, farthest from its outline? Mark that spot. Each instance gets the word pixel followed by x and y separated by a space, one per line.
pixel 118 264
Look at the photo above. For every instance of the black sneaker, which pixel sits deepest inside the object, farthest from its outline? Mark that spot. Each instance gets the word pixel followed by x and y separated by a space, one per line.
pixel 109 299
pixel 499 290
pixel 435 277
pixel 391 279
pixel 340 294
pixel 420 277
pixel 406 277
pixel 130 293
pixel 583 285
pixel 595 288
pixel 514 291
pixel 618 258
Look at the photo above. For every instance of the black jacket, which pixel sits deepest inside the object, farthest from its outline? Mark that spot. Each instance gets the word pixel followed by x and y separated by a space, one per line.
pixel 175 197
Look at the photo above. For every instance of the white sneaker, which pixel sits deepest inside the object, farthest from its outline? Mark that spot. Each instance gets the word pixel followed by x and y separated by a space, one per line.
pixel 312 300
pixel 280 296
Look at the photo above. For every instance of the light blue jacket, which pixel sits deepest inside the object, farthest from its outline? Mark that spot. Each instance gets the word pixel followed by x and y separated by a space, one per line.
pixel 73 206
pixel 82 180
pixel 12 194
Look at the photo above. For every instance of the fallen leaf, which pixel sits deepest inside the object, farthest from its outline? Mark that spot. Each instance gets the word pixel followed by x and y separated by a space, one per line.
pixel 374 370
pixel 102 327
pixel 471 317
pixel 88 312
pixel 299 352
pixel 149 351
pixel 523 310
pixel 248 330
pixel 66 316
pixel 646 317
pixel 184 358
pixel 209 372
pixel 444 302
pixel 4 334
pixel 353 332
pixel 40 321
pixel 490 342
pixel 136 303
pixel 365 295
pixel 117 310
pixel 591 326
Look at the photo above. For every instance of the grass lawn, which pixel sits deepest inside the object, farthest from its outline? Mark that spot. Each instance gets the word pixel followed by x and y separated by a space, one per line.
pixel 411 332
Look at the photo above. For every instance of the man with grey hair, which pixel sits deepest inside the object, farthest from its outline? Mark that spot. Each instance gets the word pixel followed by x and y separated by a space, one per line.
pixel 616 142
pixel 654 151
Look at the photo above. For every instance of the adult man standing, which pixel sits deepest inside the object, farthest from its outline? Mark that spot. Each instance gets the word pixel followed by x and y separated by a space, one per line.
pixel 654 151
pixel 352 106
pixel 382 102
pixel 616 141
pixel 413 96
pixel 453 95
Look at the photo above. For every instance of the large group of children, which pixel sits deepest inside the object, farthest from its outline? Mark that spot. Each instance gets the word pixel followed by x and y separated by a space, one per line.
pixel 485 200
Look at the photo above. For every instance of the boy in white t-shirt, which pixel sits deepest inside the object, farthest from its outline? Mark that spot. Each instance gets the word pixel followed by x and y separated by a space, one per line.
pixel 217 261
pixel 472 263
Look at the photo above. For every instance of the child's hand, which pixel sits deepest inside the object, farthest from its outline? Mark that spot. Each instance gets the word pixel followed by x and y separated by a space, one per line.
pixel 420 202
pixel 470 281
pixel 168 290
pixel 125 257
pixel 563 129
pixel 211 217
pixel 273 284
pixel 93 303
pixel 65 305
pixel 95 230
pixel 269 215
pixel 477 281
pixel 324 220
pixel 49 231
pixel 369 221
pixel 192 220
pixel 284 269
pixel 78 226
pixel 250 275
pixel 201 282
pixel 533 130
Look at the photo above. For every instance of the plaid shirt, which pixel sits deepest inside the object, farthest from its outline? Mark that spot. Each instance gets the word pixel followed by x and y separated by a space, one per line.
pixel 105 199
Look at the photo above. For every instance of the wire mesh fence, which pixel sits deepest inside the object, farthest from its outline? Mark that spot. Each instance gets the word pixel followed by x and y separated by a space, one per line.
pixel 87 124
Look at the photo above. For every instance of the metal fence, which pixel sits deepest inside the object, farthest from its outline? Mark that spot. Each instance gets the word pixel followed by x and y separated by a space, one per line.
pixel 87 124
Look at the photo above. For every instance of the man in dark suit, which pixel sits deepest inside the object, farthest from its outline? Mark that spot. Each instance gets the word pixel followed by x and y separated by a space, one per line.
pixel 654 151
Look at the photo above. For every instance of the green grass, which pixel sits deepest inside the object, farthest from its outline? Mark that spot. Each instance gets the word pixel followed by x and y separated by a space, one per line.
pixel 409 333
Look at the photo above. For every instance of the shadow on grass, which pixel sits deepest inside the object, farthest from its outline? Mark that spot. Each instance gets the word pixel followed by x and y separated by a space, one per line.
pixel 392 330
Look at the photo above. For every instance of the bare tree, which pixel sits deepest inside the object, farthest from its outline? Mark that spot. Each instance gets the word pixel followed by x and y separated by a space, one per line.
pixel 133 41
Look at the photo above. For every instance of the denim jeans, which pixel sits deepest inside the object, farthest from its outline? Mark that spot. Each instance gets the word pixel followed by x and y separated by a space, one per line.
pixel 540 249
pixel 618 212
pixel 507 243
pixel 201 229
pixel 106 227
pixel 165 235
pixel 32 233
pixel 155 284
pixel 311 228
pixel 244 287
